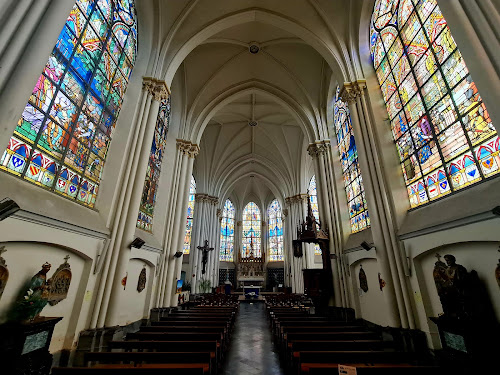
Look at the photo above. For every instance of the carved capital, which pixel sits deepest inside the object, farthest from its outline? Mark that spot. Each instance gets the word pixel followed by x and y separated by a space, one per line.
pixel 318 148
pixel 188 148
pixel 156 87
pixel 219 213
pixel 352 90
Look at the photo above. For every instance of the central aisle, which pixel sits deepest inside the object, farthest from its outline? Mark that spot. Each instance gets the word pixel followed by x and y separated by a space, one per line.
pixel 251 350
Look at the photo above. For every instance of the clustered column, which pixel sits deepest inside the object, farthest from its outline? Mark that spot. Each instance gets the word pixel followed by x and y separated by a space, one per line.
pixel 114 261
pixel 205 227
pixel 381 211
pixel 328 206
pixel 176 227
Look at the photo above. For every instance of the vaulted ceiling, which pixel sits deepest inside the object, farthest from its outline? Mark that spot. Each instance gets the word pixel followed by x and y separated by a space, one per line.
pixel 271 64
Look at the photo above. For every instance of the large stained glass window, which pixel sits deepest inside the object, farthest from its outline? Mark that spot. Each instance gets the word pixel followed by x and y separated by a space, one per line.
pixel 275 231
pixel 189 220
pixel 227 233
pixel 251 231
pixel 313 197
pixel 441 127
pixel 62 137
pixel 148 199
pixel 353 181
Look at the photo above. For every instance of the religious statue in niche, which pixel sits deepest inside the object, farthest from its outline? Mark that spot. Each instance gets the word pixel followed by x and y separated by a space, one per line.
pixel 381 282
pixel 124 281
pixel 141 283
pixel 4 272
pixel 34 298
pixel 59 283
pixel 451 284
pixel 363 282
pixel 297 249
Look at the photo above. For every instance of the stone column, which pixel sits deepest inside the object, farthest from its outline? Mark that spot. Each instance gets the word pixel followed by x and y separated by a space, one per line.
pixel 110 290
pixel 199 214
pixel 317 151
pixel 28 33
pixel 381 210
pixel 475 26
pixel 189 151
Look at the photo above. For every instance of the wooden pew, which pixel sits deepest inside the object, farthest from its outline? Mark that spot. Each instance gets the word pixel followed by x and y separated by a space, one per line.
pixel 375 369
pixel 164 369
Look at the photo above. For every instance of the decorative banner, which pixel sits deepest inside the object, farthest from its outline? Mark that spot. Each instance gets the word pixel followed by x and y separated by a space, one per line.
pixel 4 272
pixel 381 282
pixel 141 283
pixel 179 286
pixel 59 283
pixel 363 282
pixel 124 281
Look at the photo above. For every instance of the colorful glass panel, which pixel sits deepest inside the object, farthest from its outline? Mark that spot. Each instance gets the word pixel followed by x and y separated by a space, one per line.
pixel 148 199
pixel 189 220
pixel 313 197
pixel 443 133
pixel 64 127
pixel 251 231
pixel 353 183
pixel 275 232
pixel 226 253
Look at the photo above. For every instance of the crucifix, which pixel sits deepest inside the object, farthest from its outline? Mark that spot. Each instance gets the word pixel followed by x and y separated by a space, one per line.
pixel 205 249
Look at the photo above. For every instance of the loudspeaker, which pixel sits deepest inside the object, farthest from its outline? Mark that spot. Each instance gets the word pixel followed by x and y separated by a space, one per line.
pixel 137 243
pixel 365 245
pixel 496 211
pixel 7 208
pixel 178 254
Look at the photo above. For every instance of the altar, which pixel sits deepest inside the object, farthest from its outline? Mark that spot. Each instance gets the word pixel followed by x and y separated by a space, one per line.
pixel 250 289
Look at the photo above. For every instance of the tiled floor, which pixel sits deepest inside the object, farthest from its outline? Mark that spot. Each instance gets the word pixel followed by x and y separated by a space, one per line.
pixel 251 350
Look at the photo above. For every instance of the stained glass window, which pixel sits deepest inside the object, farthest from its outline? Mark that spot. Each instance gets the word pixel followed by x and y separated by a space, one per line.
pixel 189 220
pixel 313 197
pixel 353 182
pixel 227 233
pixel 148 199
pixel 251 231
pixel 275 231
pixel 442 129
pixel 61 140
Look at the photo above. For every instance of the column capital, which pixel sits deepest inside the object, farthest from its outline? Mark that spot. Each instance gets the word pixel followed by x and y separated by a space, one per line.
pixel 296 198
pixel 156 87
pixel 352 90
pixel 285 212
pixel 188 148
pixel 317 148
pixel 219 213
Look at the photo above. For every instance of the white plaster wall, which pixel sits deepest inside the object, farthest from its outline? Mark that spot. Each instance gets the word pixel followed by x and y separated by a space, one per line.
pixel 133 302
pixel 369 304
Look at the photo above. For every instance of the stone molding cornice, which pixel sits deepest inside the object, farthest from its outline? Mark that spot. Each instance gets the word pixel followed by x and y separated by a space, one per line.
pixel 188 148
pixel 352 90
pixel 200 197
pixel 317 148
pixel 156 87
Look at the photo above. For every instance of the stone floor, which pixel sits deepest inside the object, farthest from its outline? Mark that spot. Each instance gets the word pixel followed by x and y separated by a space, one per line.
pixel 251 350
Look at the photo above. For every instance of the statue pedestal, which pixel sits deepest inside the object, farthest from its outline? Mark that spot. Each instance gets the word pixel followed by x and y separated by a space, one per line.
pixel 25 346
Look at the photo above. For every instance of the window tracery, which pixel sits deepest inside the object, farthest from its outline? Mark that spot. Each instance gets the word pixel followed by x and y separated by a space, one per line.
pixel 251 231
pixel 313 197
pixel 275 232
pixel 227 233
pixel 189 220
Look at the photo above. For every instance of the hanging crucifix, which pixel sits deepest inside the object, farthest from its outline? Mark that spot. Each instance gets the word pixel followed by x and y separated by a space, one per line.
pixel 205 249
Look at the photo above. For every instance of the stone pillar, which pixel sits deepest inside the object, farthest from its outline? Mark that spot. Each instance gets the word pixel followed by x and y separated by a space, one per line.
pixel 110 290
pixel 475 26
pixel 381 210
pixel 189 152
pixel 199 215
pixel 28 33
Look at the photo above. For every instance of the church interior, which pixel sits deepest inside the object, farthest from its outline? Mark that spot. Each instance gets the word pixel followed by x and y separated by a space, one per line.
pixel 249 186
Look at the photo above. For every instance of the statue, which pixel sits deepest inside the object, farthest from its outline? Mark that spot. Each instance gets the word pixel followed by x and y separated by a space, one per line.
pixel 205 249
pixel 451 284
pixel 35 298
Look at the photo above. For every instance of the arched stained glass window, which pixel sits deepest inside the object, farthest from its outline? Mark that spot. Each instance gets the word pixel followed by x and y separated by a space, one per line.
pixel 275 231
pixel 353 181
pixel 227 233
pixel 148 199
pixel 441 127
pixel 313 197
pixel 251 231
pixel 189 221
pixel 62 137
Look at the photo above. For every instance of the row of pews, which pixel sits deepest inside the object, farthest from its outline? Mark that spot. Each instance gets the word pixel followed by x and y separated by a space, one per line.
pixel 310 344
pixel 186 342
